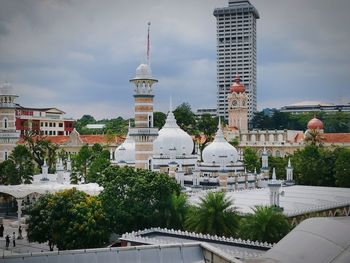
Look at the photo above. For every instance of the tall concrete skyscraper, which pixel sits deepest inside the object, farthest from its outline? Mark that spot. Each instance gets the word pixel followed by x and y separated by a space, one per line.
pixel 236 52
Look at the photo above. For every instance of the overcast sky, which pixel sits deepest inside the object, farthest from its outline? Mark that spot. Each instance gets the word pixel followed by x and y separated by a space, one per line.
pixel 78 55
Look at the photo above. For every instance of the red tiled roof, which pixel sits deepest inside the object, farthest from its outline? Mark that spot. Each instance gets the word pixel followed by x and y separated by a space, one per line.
pixel 336 137
pixel 89 139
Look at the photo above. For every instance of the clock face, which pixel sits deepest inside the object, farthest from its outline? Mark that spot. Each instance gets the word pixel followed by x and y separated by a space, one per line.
pixel 234 103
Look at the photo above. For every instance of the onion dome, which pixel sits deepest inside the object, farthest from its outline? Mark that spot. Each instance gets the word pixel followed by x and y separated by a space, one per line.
pixel 315 124
pixel 220 151
pixel 143 71
pixel 237 86
pixel 125 153
pixel 172 140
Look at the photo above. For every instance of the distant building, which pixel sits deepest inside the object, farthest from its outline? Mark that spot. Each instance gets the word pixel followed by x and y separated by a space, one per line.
pixel 95 126
pixel 16 120
pixel 236 52
pixel 211 112
pixel 269 111
pixel 315 106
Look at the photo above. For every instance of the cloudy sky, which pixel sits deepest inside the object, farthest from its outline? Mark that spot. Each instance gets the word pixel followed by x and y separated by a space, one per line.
pixel 78 55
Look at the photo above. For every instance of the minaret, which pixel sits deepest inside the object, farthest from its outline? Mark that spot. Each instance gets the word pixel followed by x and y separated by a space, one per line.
pixel 265 162
pixel 44 172
pixel 274 186
pixel 144 133
pixel 237 106
pixel 289 171
pixel 8 134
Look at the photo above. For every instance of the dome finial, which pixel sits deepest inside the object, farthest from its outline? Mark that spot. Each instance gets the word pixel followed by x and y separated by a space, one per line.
pixel 171 104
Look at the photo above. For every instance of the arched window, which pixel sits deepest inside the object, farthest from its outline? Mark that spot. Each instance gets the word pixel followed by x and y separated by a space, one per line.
pixel 5 156
pixel 278 153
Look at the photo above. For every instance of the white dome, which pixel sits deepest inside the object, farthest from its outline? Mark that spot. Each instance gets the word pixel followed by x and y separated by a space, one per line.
pixel 125 153
pixel 143 72
pixel 220 151
pixel 172 139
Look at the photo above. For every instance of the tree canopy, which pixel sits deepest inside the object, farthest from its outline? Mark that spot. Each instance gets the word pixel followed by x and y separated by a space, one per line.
pixel 70 220
pixel 267 224
pixel 214 215
pixel 136 199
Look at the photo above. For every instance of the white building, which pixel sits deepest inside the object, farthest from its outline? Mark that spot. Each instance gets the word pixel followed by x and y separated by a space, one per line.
pixel 236 51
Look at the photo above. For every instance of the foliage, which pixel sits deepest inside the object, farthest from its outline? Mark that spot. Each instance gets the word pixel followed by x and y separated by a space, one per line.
pixel 41 149
pixel 177 211
pixel 267 224
pixel 135 199
pixel 313 137
pixel 70 220
pixel 159 119
pixel 313 166
pixel 333 121
pixel 214 215
pixel 89 163
pixel 280 164
pixel 207 125
pixel 185 118
pixel 251 159
pixel 8 173
pixel 342 167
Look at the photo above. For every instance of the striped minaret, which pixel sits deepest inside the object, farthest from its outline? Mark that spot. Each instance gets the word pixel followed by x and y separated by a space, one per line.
pixel 144 134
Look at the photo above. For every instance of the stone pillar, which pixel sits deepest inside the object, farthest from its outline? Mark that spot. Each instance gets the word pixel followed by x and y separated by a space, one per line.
pixel 19 210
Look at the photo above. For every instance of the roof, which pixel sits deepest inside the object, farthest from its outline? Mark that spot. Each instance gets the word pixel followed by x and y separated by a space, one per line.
pixel 297 199
pixel 336 137
pixel 51 110
pixel 86 139
pixel 181 253
pixel 310 103
pixel 315 240
pixel 236 248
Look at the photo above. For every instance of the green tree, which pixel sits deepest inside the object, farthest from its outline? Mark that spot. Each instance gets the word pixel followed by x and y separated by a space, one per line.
pixel 207 125
pixel 159 119
pixel 8 173
pixel 177 211
pixel 135 199
pixel 280 164
pixel 267 224
pixel 23 163
pixel 342 168
pixel 80 164
pixel 214 215
pixel 185 118
pixel 70 220
pixel 251 159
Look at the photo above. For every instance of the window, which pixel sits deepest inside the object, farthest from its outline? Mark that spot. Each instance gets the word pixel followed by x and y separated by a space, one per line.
pixel 60 125
pixel 5 156
pixel 5 123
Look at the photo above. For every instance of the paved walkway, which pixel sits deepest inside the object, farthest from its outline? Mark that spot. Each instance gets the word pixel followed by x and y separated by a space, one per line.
pixel 22 245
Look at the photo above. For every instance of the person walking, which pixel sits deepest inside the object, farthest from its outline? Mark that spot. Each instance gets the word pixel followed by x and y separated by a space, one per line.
pixel 2 230
pixel 20 232
pixel 7 241
pixel 14 239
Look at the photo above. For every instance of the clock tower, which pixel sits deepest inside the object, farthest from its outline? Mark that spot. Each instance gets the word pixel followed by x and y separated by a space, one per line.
pixel 237 106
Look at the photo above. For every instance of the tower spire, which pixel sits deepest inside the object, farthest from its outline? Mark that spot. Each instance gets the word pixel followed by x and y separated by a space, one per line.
pixel 148 42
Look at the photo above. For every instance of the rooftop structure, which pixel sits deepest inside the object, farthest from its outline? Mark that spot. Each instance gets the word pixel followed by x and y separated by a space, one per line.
pixel 315 106
pixel 236 52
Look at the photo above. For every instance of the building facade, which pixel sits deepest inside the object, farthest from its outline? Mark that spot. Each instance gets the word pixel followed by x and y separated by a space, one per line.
pixel 236 52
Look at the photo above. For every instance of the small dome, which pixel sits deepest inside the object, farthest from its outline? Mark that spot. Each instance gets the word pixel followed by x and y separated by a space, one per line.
pixel 237 86
pixel 220 151
pixel 314 124
pixel 143 72
pixel 6 89
pixel 172 139
pixel 125 153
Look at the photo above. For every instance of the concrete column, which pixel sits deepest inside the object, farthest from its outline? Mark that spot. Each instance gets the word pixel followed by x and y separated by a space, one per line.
pixel 19 210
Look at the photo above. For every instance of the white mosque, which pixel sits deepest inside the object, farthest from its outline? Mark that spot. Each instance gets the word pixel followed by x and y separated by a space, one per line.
pixel 171 150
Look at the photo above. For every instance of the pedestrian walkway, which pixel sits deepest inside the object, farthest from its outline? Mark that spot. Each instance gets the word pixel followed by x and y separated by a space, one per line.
pixel 22 245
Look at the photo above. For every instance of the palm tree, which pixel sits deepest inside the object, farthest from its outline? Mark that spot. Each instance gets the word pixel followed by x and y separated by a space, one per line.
pixel 214 215
pixel 177 211
pixel 266 224
pixel 314 137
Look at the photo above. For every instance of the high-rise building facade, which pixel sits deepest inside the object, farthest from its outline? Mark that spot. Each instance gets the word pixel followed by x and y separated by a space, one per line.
pixel 236 52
